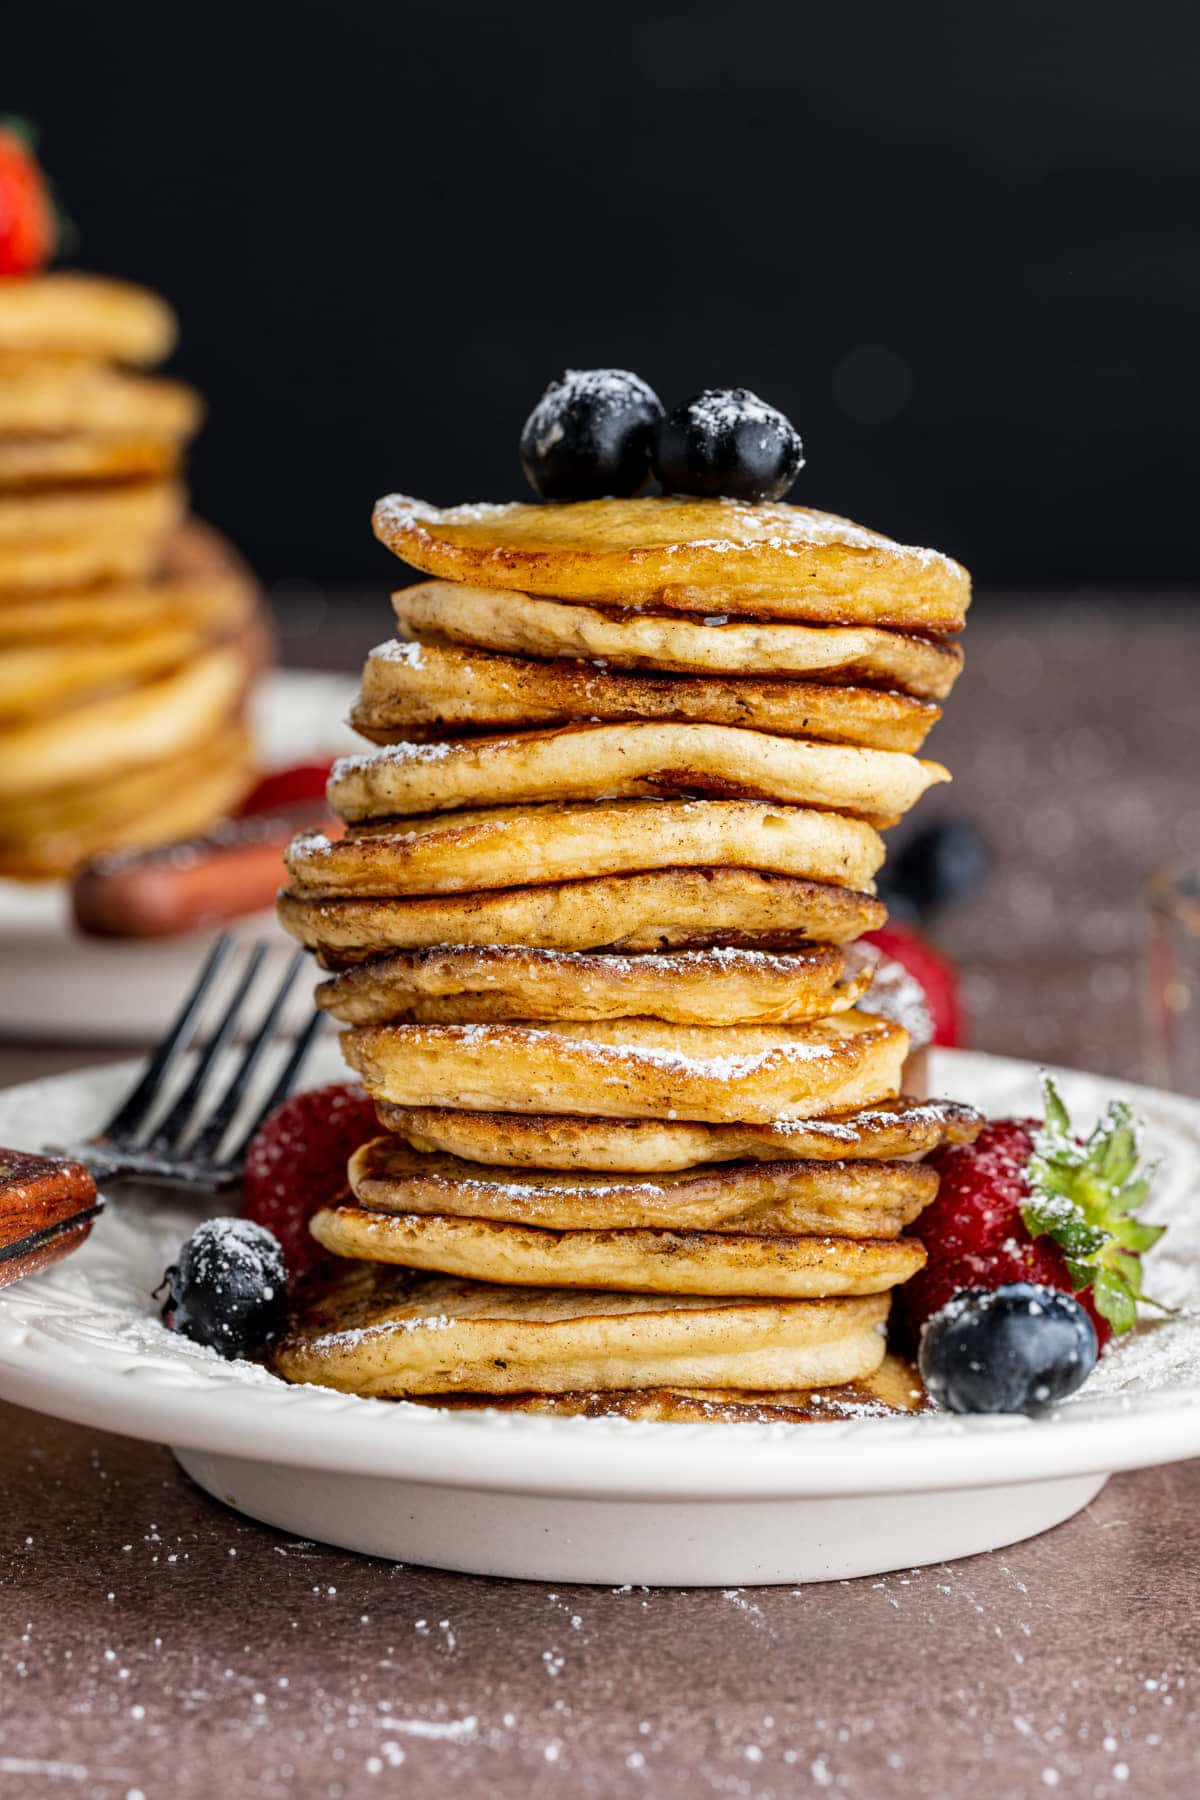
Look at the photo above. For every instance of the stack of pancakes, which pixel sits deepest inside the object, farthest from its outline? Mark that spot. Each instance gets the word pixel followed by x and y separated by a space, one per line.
pixel 128 635
pixel 590 929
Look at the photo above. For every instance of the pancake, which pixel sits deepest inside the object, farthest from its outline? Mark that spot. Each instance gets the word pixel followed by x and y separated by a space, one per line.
pixel 126 730
pixel 32 462
pixel 48 396
pixel 888 1128
pixel 165 801
pixel 525 625
pixel 365 1328
pixel 75 562
pixel 587 762
pixel 501 846
pixel 421 691
pixel 36 680
pixel 659 909
pixel 635 1068
pixel 201 584
pixel 117 510
pixel 768 560
pixel 117 533
pixel 88 315
pixel 493 982
pixel 894 1389
pixel 846 1199
pixel 629 1262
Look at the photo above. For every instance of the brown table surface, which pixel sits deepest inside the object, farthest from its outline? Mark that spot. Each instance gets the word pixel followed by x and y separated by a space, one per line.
pixel 153 1644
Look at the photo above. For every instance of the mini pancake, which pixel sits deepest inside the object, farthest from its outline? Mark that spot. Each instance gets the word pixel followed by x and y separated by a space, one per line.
pixel 843 1199
pixel 628 1262
pixel 126 730
pixel 888 1128
pixel 894 1389
pixel 32 462
pixel 635 1068
pixel 41 679
pixel 525 625
pixel 64 397
pixel 769 560
pixel 75 562
pixel 494 982
pixel 202 585
pixel 421 691
pixel 119 536
pixel 659 909
pixel 116 510
pixel 590 762
pixel 86 315
pixel 159 804
pixel 501 846
pixel 366 1328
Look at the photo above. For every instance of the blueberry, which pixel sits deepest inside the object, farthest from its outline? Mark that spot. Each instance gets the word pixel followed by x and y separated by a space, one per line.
pixel 939 865
pixel 590 435
pixel 229 1287
pixel 726 441
pixel 1017 1348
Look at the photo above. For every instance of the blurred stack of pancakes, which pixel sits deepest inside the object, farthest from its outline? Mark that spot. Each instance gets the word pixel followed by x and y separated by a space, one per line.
pixel 591 931
pixel 129 634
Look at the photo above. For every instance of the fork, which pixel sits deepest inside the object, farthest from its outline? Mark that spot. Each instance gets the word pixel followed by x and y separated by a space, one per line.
pixel 188 1147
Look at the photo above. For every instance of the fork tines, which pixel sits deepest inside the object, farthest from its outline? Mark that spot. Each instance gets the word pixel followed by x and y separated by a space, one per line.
pixel 188 1146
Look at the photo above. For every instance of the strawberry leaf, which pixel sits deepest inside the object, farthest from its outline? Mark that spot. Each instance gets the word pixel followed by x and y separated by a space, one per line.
pixel 1113 1300
pixel 1057 1119
pixel 24 130
pixel 1084 1197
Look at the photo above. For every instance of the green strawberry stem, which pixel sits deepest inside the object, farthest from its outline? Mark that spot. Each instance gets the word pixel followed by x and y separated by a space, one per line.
pixel 1085 1197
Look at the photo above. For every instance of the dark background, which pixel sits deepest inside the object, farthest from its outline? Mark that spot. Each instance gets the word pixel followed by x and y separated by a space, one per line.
pixel 957 243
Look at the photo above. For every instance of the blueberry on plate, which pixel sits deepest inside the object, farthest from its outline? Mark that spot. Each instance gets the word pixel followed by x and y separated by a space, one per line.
pixel 590 435
pixel 1017 1348
pixel 726 442
pixel 229 1287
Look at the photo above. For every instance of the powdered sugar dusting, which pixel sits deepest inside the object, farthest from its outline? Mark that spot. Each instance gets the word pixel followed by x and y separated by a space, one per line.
pixel 390 753
pixel 400 650
pixel 588 390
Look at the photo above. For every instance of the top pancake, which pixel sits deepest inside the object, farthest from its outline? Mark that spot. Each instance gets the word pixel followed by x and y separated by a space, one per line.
pixel 84 315
pixel 685 555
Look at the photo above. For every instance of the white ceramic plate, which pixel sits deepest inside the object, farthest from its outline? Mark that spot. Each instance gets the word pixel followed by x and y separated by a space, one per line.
pixel 598 1500
pixel 57 984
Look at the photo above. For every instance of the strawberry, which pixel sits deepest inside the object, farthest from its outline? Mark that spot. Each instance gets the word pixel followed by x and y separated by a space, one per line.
pixel 296 1163
pixel 301 785
pixel 1029 1202
pixel 27 223
pixel 934 975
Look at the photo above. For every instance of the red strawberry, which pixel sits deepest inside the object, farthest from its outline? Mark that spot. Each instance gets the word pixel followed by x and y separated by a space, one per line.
pixel 934 975
pixel 297 1160
pixel 1028 1202
pixel 27 225
pixel 303 784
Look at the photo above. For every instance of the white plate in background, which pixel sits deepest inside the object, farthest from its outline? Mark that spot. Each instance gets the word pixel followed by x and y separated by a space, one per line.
pixel 57 984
